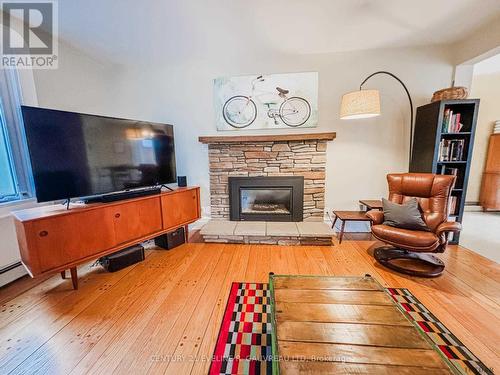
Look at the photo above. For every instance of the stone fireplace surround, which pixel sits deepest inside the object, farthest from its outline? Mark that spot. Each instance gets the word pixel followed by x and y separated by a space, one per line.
pixel 261 156
pixel 270 155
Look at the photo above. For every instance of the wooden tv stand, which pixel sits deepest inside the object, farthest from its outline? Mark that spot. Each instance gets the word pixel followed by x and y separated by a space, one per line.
pixel 53 239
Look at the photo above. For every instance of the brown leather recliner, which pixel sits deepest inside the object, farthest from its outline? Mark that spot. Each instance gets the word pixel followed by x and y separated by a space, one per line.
pixel 433 195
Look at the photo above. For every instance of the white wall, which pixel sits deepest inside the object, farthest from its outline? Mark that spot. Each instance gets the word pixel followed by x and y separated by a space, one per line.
pixel 479 44
pixel 358 160
pixel 475 47
pixel 487 88
pixel 9 250
pixel 80 83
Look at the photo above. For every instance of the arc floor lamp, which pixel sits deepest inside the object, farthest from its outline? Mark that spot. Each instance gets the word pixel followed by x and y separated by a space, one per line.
pixel 366 103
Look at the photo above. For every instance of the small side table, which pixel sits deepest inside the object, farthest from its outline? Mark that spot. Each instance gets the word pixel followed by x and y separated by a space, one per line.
pixel 348 216
pixel 371 204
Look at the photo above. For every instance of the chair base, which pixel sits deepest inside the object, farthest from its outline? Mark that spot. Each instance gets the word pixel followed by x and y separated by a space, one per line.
pixel 387 254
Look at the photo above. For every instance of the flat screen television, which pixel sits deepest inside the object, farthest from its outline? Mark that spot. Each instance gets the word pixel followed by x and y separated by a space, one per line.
pixel 81 155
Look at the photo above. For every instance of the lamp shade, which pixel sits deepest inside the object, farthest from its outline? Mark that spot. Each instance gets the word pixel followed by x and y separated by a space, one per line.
pixel 360 104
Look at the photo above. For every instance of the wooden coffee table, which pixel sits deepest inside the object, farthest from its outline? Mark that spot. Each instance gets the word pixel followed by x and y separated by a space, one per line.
pixel 345 325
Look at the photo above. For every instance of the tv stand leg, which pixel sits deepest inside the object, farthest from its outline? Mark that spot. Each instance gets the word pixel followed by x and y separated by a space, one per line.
pixel 186 233
pixel 74 278
pixel 63 274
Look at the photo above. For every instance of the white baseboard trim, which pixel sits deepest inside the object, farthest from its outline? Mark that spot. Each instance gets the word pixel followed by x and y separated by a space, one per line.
pixel 473 208
pixel 199 223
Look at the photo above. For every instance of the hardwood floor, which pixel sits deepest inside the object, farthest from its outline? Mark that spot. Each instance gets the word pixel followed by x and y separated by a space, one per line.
pixel 163 315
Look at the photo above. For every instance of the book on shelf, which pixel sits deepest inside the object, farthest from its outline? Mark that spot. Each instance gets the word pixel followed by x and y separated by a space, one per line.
pixel 443 169
pixel 453 205
pixel 452 219
pixel 448 170
pixel 451 122
pixel 451 150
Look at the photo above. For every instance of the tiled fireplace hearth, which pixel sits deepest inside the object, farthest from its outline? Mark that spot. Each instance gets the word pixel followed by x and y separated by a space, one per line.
pixel 255 158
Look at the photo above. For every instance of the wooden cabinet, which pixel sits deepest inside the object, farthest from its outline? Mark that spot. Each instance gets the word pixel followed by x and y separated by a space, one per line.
pixel 136 219
pixel 57 240
pixel 490 186
pixel 490 191
pixel 493 158
pixel 53 239
pixel 180 208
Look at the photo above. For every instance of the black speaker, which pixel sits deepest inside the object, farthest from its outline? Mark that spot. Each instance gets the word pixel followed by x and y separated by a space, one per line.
pixel 181 181
pixel 123 258
pixel 170 240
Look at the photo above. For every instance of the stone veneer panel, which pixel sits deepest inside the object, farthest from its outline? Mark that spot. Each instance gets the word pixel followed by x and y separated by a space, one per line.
pixel 271 240
pixel 281 158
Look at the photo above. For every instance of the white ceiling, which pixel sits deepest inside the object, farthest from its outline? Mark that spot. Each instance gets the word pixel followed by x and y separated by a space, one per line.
pixel 133 31
pixel 488 66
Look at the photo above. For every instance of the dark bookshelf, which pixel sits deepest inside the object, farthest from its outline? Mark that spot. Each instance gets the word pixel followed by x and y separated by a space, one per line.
pixel 433 140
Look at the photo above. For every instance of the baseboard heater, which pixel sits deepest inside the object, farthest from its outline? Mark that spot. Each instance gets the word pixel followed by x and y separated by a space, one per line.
pixel 11 272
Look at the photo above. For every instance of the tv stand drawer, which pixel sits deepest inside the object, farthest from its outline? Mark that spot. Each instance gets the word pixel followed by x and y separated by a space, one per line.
pixel 60 240
pixel 173 215
pixel 136 219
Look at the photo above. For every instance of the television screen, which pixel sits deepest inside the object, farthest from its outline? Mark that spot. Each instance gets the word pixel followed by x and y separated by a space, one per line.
pixel 80 155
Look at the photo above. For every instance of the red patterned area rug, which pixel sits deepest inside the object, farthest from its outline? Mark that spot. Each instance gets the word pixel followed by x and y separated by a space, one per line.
pixel 244 342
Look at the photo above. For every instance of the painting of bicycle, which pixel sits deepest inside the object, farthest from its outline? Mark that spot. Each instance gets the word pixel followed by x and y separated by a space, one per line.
pixel 263 101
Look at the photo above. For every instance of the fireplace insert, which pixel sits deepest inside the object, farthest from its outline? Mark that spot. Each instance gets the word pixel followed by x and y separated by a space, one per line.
pixel 266 198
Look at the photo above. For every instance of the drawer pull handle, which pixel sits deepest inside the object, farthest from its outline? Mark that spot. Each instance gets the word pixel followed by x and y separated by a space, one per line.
pixel 117 215
pixel 43 233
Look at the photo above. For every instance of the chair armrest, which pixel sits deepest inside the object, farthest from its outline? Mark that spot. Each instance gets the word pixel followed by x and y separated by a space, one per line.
pixel 376 216
pixel 448 226
pixel 442 232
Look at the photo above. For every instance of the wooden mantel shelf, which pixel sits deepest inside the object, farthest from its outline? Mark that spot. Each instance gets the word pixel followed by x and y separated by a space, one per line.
pixel 268 138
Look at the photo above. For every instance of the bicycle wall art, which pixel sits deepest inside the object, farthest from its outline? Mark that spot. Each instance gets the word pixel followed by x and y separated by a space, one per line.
pixel 266 101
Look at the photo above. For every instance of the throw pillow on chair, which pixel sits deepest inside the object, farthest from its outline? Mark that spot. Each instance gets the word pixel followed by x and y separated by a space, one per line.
pixel 406 215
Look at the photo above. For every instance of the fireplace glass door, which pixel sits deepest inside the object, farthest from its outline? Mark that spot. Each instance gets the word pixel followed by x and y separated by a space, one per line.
pixel 266 198
pixel 266 201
